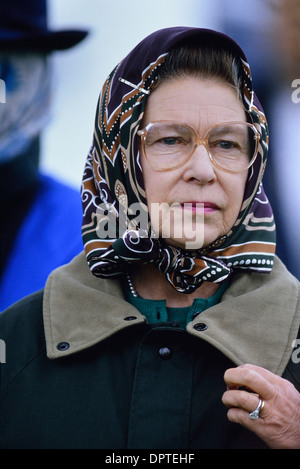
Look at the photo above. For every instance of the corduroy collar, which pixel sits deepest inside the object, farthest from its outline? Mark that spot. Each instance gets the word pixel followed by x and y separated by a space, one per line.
pixel 256 321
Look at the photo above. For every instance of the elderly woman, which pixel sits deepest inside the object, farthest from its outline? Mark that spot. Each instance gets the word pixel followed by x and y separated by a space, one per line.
pixel 176 328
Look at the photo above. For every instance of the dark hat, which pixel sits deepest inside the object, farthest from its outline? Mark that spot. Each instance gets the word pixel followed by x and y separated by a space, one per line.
pixel 23 26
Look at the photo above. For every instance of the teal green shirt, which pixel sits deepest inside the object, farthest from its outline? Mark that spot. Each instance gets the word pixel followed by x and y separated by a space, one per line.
pixel 157 311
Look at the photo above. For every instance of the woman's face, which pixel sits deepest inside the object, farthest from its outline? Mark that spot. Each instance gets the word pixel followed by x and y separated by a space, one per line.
pixel 197 203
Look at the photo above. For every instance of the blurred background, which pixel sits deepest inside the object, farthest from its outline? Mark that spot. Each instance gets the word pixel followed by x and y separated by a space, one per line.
pixel 267 30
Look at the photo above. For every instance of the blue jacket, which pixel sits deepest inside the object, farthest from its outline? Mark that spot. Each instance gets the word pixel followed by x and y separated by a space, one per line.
pixel 49 236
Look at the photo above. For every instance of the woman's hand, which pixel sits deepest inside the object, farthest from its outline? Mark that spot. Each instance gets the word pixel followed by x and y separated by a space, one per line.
pixel 278 424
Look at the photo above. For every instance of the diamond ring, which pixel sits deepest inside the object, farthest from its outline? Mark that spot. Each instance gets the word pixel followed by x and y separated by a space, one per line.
pixel 254 415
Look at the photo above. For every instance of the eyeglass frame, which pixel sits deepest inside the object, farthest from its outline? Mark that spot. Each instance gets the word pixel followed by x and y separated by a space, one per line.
pixel 201 141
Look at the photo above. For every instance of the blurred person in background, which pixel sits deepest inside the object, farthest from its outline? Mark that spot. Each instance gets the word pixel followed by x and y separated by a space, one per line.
pixel 270 34
pixel 286 125
pixel 40 216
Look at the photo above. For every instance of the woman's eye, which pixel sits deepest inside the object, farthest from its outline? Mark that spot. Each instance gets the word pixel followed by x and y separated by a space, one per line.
pixel 170 140
pixel 225 145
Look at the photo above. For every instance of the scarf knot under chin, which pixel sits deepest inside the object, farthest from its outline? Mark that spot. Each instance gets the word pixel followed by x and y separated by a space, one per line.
pixel 185 270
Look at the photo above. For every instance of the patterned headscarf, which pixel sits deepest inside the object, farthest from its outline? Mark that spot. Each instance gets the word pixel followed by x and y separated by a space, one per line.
pixel 112 186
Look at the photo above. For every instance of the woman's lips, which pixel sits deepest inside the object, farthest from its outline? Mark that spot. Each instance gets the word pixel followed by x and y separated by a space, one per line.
pixel 200 207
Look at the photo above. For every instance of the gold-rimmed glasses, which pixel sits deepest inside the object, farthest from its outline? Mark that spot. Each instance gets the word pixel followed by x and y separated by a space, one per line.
pixel 232 146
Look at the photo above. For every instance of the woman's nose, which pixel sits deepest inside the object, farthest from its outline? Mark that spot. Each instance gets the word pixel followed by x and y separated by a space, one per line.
pixel 200 166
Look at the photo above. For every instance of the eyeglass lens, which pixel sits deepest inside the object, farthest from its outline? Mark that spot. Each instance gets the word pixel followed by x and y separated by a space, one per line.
pixel 168 145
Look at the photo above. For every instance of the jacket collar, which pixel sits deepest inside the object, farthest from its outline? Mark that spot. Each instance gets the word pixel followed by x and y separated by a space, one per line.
pixel 256 321
pixel 81 310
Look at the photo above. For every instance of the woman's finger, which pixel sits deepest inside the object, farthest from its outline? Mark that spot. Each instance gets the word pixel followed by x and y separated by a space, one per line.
pixel 243 400
pixel 251 377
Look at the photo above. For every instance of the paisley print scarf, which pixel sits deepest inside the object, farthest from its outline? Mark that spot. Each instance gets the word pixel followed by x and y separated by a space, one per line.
pixel 115 234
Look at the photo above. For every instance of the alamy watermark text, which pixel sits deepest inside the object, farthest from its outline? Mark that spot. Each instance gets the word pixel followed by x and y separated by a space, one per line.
pixel 296 92
pixel 2 92
pixel 2 351
pixel 183 222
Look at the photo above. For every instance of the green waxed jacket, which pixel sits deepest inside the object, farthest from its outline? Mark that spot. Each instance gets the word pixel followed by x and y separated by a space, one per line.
pixel 84 369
